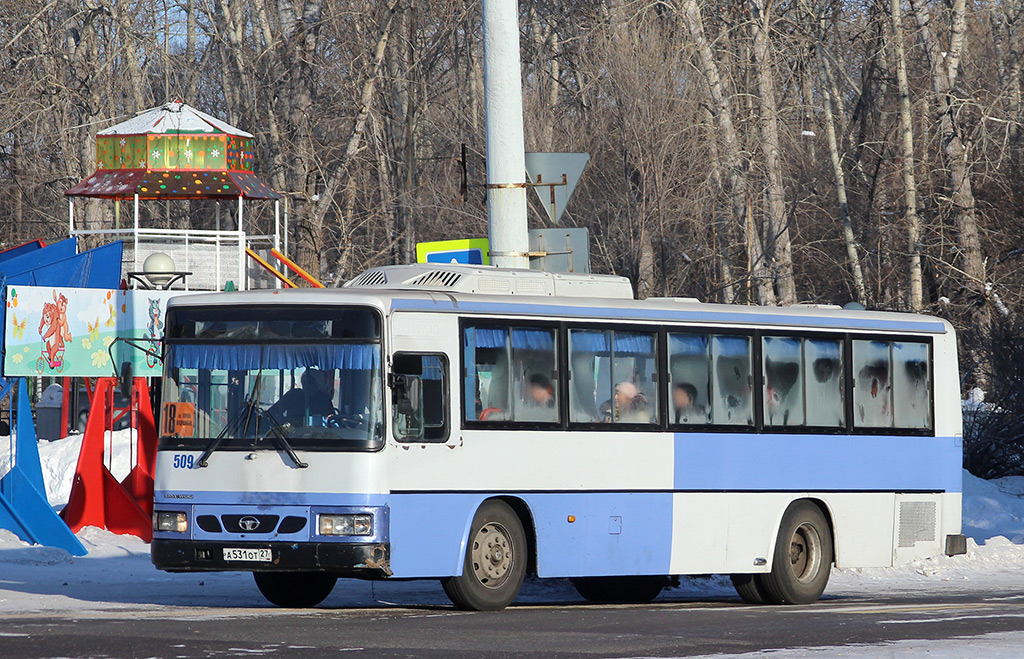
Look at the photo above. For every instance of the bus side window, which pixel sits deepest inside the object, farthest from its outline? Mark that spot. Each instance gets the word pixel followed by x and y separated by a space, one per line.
pixel 783 381
pixel 535 383
pixel 634 365
pixel 872 384
pixel 732 400
pixel 823 379
pixel 613 377
pixel 486 385
pixel 911 386
pixel 689 368
pixel 590 378
pixel 429 421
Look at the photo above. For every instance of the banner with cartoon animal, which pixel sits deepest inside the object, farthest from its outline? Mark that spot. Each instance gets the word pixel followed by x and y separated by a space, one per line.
pixel 68 331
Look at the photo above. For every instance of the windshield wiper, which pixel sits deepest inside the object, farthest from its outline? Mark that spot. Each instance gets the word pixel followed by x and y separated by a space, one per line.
pixel 278 431
pixel 252 405
pixel 236 422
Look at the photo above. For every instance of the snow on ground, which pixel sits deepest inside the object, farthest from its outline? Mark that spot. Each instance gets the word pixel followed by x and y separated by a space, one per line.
pixel 117 573
pixel 993 646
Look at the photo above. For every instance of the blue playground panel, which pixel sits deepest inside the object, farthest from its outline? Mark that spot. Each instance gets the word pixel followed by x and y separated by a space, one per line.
pixel 24 509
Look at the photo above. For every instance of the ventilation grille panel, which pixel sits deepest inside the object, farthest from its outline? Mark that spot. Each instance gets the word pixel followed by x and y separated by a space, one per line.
pixel 917 522
pixel 371 278
pixel 442 278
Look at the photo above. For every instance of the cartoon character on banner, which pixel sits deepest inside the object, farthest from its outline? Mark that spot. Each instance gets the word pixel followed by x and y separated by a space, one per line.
pixel 155 331
pixel 56 334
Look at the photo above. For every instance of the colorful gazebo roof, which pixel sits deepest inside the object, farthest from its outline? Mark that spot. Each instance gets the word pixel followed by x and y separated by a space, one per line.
pixel 173 151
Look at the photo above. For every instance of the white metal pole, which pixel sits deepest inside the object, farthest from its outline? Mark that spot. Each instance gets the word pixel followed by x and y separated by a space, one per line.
pixel 285 250
pixel 277 233
pixel 135 256
pixel 503 113
pixel 277 224
pixel 242 283
pixel 71 216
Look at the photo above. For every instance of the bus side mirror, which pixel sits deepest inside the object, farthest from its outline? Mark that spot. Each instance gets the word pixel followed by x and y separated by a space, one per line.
pixel 406 390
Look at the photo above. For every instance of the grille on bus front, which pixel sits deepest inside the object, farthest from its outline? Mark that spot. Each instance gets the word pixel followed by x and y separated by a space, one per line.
pixel 251 523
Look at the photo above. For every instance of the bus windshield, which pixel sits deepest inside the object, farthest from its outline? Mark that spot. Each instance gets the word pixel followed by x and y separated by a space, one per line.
pixel 250 384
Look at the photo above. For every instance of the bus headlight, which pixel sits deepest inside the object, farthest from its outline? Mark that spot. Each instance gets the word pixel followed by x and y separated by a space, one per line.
pixel 175 522
pixel 346 524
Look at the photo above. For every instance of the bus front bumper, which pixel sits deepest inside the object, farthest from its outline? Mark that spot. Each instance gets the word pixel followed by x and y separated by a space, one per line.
pixel 366 561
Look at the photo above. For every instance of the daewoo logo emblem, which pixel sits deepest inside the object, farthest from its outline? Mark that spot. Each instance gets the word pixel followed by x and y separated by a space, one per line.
pixel 248 523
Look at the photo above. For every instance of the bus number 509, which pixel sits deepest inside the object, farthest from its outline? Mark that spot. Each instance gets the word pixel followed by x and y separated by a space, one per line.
pixel 183 461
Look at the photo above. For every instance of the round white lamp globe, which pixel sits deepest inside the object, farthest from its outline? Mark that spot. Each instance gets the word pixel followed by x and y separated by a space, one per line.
pixel 158 268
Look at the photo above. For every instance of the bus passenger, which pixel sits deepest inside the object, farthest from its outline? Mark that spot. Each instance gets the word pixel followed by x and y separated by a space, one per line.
pixel 309 405
pixel 628 405
pixel 684 396
pixel 540 400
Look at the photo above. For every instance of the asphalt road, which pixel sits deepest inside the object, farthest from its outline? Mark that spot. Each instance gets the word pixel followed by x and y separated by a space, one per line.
pixel 667 628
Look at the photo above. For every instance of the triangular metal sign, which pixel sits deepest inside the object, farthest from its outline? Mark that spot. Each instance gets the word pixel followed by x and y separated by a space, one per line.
pixel 562 169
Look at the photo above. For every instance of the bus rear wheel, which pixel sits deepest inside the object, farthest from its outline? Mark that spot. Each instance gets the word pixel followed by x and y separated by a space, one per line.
pixel 495 561
pixel 749 588
pixel 295 590
pixel 803 557
pixel 623 590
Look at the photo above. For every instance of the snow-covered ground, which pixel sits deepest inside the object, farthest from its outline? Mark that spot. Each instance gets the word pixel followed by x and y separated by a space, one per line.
pixel 117 573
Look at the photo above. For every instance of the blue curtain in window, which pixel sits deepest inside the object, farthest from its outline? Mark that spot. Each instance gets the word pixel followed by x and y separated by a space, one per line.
pixel 731 346
pixel 688 344
pixel 249 357
pixel 431 368
pixel 533 339
pixel 782 348
pixel 626 343
pixel 634 344
pixel 825 348
pixel 488 337
pixel 587 341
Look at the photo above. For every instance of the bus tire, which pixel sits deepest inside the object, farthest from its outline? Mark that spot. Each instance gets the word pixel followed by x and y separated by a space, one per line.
pixel 295 590
pixel 621 590
pixel 495 562
pixel 803 557
pixel 749 588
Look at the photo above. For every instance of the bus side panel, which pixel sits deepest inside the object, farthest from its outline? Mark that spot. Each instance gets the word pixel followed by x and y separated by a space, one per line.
pixel 724 532
pixel 945 378
pixel 429 532
pixel 766 462
pixel 862 527
pixel 610 533
pixel 602 533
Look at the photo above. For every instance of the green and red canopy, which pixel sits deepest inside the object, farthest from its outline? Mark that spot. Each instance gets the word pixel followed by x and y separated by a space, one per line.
pixel 173 151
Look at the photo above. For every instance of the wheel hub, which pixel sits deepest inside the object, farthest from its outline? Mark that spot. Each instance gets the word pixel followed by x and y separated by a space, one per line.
pixel 805 552
pixel 492 555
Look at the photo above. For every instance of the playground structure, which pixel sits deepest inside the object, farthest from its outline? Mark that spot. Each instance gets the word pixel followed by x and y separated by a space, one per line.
pixel 175 153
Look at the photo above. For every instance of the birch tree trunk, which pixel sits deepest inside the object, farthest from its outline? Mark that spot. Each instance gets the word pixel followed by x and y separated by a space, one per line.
pixel 827 96
pixel 735 174
pixel 777 246
pixel 916 300
pixel 943 69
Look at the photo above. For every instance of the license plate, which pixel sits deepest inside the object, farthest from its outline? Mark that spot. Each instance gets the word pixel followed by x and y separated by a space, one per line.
pixel 252 555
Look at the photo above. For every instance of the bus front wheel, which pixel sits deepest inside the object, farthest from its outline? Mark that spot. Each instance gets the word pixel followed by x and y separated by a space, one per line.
pixel 803 557
pixel 495 561
pixel 295 590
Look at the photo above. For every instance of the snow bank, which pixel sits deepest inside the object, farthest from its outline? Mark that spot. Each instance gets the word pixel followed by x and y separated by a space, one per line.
pixel 994 508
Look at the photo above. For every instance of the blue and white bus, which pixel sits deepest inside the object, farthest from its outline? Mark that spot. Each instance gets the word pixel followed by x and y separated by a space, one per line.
pixel 474 425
